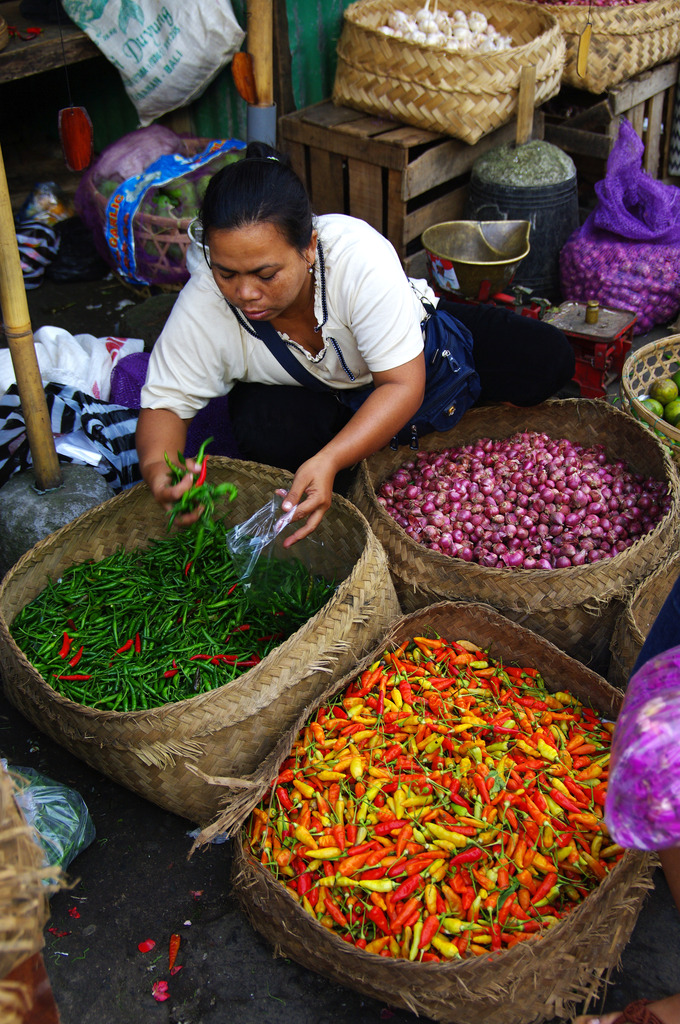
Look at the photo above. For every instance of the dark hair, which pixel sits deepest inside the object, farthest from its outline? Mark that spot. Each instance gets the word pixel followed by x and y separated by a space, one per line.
pixel 261 187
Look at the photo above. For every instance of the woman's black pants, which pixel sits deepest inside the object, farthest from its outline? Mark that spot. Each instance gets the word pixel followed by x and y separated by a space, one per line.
pixel 518 359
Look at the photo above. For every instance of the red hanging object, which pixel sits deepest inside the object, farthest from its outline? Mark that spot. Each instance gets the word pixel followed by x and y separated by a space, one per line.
pixel 77 138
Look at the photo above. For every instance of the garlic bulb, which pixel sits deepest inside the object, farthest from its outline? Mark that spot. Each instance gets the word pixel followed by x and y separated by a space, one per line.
pixel 398 20
pixel 459 31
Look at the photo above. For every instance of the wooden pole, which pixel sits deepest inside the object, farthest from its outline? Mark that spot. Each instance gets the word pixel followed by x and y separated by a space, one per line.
pixel 17 324
pixel 260 28
pixel 525 105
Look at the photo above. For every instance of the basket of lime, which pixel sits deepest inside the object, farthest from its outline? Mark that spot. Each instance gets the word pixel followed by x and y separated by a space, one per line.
pixel 650 389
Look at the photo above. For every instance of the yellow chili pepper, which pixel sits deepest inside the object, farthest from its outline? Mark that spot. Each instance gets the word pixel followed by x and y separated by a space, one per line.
pixel 446 948
pixel 454 838
pixel 327 853
pixel 303 835
pixel 303 787
pixel 415 941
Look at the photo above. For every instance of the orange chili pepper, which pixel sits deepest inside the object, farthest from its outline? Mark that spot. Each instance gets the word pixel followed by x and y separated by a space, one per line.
pixel 173 950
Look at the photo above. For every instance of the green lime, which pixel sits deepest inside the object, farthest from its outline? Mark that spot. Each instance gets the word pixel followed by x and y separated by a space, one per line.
pixel 653 406
pixel 676 377
pixel 664 390
pixel 671 412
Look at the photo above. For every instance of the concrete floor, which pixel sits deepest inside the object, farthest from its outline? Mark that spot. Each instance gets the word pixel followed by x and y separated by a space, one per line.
pixel 136 882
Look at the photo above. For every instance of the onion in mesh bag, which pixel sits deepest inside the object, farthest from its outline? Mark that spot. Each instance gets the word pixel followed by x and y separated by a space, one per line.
pixel 643 795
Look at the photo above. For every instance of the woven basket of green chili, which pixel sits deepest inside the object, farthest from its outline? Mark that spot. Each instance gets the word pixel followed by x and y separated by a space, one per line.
pixel 172 754
pixel 637 618
pixel 550 974
pixel 575 607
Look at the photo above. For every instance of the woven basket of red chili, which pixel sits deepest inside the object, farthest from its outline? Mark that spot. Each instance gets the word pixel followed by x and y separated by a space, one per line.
pixel 434 833
pixel 227 730
pixel 637 617
pixel 530 510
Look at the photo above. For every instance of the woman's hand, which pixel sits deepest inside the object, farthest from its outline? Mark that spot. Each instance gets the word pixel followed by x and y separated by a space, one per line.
pixel 314 479
pixel 157 476
pixel 160 431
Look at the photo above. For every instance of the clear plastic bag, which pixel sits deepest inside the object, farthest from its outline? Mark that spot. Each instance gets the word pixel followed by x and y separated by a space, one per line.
pixel 643 794
pixel 58 814
pixel 250 540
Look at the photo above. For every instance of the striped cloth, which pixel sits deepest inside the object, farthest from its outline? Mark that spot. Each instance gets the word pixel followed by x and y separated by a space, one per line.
pixel 110 428
pixel 38 245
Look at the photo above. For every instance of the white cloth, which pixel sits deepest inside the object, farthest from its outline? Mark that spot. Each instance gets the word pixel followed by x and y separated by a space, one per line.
pixel 374 316
pixel 80 361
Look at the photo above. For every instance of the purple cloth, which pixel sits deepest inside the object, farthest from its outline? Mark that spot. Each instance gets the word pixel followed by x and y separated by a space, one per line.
pixel 127 380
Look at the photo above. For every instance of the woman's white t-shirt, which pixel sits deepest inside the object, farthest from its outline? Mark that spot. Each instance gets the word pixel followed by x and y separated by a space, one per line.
pixel 373 324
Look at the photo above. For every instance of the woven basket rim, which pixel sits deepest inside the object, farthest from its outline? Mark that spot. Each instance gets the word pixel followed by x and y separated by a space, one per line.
pixel 614 20
pixel 242 682
pixel 630 856
pixel 576 574
pixel 642 590
pixel 629 368
pixel 635 864
pixel 546 18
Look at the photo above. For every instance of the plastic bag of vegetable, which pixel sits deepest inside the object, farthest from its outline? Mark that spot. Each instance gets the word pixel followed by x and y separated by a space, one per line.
pixel 627 252
pixel 58 814
pixel 643 799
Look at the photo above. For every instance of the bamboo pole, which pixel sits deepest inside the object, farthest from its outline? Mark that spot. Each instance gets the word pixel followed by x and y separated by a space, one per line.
pixel 17 325
pixel 260 28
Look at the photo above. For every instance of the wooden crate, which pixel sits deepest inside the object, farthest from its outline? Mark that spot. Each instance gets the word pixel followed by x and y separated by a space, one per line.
pixel 586 126
pixel 399 179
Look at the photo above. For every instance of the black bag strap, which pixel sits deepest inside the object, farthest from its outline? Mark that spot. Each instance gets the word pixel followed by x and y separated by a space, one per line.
pixel 278 348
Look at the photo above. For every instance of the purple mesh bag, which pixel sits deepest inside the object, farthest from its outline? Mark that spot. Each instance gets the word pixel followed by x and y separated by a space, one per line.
pixel 127 379
pixel 627 253
pixel 643 795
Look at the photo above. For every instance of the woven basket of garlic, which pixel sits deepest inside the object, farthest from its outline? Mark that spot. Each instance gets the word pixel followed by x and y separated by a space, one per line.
pixel 449 66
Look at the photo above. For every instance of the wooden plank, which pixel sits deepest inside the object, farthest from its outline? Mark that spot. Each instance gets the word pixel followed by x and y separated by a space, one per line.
pixel 396 213
pixel 636 116
pixel 407 137
pixel 366 192
pixel 366 149
pixel 283 78
pixel 641 87
pixel 24 57
pixel 597 116
pixel 448 207
pixel 327 182
pixel 449 160
pixel 415 265
pixel 328 115
pixel 652 152
pixel 668 115
pixel 323 114
pixel 366 127
pixel 296 152
pixel 574 140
